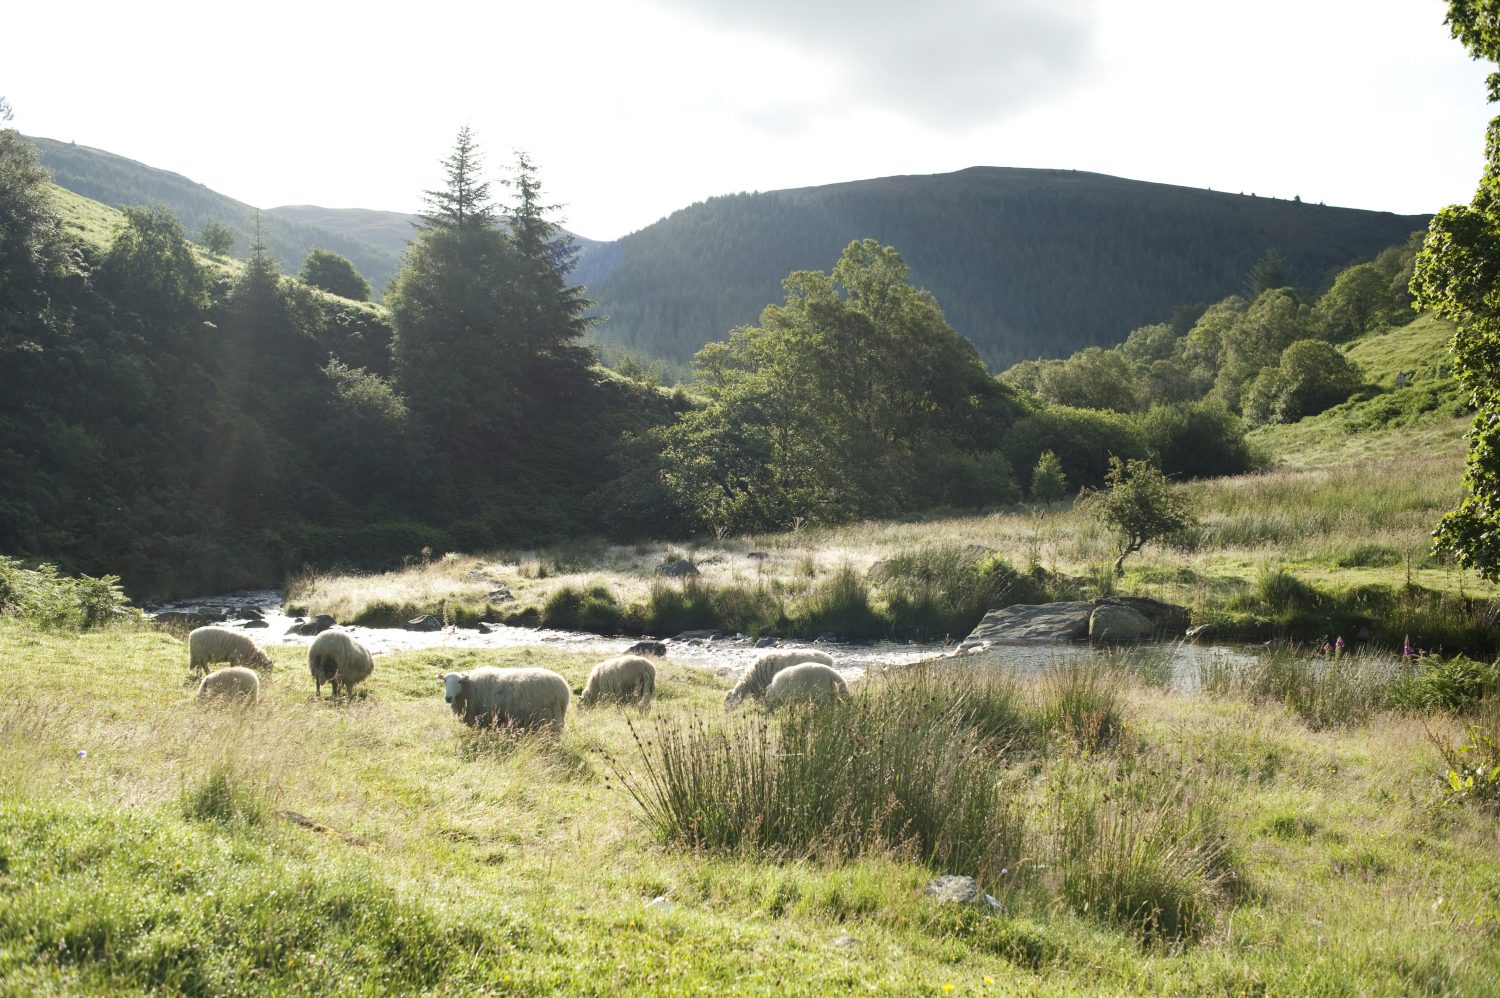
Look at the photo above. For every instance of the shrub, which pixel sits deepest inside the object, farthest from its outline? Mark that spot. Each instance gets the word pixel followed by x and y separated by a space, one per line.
pixel 594 609
pixel 45 596
pixel 1474 766
pixel 1456 684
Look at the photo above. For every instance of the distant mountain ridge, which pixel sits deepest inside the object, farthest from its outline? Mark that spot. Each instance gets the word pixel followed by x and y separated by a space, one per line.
pixel 117 181
pixel 1025 263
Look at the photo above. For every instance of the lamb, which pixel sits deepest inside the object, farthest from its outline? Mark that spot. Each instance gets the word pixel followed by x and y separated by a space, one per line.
pixel 337 658
pixel 624 678
pixel 491 697
pixel 233 683
pixel 207 645
pixel 754 682
pixel 810 682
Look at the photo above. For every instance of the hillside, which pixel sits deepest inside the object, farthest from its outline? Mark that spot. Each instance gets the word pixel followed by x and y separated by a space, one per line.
pixel 388 230
pixel 1026 263
pixel 116 181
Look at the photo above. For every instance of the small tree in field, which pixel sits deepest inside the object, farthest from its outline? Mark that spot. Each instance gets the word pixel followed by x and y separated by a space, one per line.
pixel 1048 483
pixel 1139 504
pixel 217 238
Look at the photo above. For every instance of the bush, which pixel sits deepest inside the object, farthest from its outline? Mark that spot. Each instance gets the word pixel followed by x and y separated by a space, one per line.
pixel 1474 766
pixel 1455 684
pixel 51 599
pixel 1083 440
pixel 594 610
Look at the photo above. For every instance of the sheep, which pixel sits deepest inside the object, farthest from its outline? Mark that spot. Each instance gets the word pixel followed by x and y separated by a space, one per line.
pixel 487 696
pixel 207 645
pixel 754 682
pixel 337 658
pixel 622 678
pixel 808 682
pixel 233 683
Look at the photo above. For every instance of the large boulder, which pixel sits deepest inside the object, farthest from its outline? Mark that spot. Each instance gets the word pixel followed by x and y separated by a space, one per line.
pixel 426 622
pixel 1163 616
pixel 308 628
pixel 678 569
pixel 1039 624
pixel 1118 625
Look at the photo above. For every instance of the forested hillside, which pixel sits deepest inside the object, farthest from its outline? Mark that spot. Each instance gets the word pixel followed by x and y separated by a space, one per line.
pixel 117 181
pixel 388 230
pixel 1026 263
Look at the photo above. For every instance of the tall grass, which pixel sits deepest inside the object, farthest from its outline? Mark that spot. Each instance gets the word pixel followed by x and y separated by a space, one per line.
pixel 1324 692
pixel 1138 849
pixel 885 773
pixel 1081 702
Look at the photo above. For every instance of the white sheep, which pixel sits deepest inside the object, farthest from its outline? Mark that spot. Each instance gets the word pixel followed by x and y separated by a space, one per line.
pixel 336 658
pixel 233 683
pixel 809 682
pixel 624 678
pixel 491 697
pixel 755 682
pixel 207 645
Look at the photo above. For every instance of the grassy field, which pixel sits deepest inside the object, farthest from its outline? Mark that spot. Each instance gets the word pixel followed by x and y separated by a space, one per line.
pixel 148 844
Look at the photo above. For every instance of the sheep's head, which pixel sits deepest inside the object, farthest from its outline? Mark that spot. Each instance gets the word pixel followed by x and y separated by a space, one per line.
pixel 453 684
pixel 732 699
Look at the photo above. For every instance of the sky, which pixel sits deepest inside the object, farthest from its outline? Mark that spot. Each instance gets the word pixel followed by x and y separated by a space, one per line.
pixel 632 109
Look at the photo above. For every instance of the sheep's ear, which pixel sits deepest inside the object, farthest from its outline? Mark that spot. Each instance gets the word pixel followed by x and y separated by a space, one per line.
pixel 441 677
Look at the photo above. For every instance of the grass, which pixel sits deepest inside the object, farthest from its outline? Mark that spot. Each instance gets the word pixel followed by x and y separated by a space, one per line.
pixel 1218 845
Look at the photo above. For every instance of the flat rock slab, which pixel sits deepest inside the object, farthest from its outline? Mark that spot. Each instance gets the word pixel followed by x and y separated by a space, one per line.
pixel 1037 624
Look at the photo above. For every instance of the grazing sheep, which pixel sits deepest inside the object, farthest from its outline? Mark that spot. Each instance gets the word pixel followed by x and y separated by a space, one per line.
pixel 807 683
pixel 337 658
pixel 490 697
pixel 624 678
pixel 207 645
pixel 755 682
pixel 233 683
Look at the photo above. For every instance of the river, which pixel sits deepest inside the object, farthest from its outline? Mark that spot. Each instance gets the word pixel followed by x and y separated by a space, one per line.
pixel 729 656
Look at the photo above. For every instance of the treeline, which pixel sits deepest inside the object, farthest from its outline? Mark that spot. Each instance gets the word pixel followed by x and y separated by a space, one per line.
pixel 1026 263
pixel 1271 356
pixel 194 434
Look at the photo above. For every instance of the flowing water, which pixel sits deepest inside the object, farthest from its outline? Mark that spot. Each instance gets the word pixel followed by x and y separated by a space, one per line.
pixel 1177 663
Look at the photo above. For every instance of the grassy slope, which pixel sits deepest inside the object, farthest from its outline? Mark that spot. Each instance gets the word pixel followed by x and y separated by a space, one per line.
pixel 450 862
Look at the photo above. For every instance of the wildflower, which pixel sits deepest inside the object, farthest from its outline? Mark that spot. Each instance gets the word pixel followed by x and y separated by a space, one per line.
pixel 947 987
pixel 1407 651
pixel 1338 647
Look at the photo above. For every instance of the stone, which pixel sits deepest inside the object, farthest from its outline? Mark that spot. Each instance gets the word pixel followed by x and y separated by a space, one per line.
pixel 1118 625
pixel 249 624
pixel 767 642
pixel 1035 624
pixel 501 595
pixel 704 635
pixel 485 628
pixel 951 889
pixel 657 648
pixel 317 625
pixel 758 555
pixel 1163 616
pixel 426 622
pixel 678 569
pixel 250 613
pixel 845 941
pixel 182 618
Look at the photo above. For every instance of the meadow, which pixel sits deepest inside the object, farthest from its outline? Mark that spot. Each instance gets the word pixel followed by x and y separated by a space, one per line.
pixel 1137 838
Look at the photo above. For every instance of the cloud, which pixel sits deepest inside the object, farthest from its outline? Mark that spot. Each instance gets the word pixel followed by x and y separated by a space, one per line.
pixel 952 64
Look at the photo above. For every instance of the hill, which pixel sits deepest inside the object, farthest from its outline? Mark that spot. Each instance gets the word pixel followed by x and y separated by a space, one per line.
pixel 1026 263
pixel 116 181
pixel 388 230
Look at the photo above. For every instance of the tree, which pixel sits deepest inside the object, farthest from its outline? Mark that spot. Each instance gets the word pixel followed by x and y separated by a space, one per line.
pixel 1269 273
pixel 1048 483
pixel 217 238
pixel 837 405
pixel 334 274
pixel 1359 300
pixel 1272 323
pixel 465 201
pixel 150 266
pixel 1457 274
pixel 1309 377
pixel 1092 379
pixel 1139 504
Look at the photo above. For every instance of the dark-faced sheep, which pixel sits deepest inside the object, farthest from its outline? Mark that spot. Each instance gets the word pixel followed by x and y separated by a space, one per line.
pixel 523 698
pixel 809 682
pixel 335 657
pixel 234 683
pixel 755 682
pixel 207 645
pixel 622 679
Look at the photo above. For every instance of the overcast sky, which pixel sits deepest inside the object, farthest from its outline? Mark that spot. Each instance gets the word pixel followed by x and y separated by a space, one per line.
pixel 635 108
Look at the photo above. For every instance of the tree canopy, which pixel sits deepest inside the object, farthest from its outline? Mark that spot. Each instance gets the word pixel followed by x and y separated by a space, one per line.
pixel 334 274
pixel 1458 276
